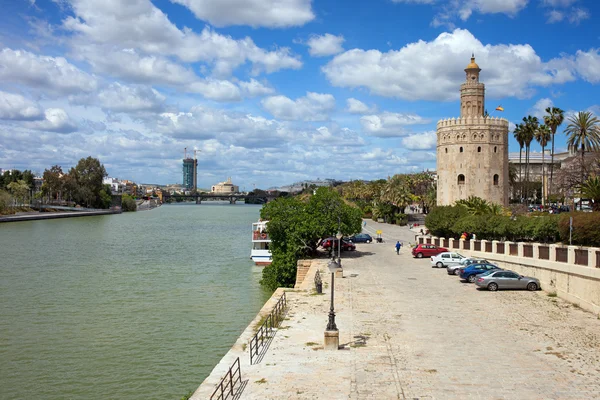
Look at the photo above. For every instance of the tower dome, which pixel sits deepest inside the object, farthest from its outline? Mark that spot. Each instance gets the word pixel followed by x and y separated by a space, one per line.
pixel 473 64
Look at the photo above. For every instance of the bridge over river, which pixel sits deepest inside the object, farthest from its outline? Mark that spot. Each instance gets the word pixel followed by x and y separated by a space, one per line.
pixel 232 198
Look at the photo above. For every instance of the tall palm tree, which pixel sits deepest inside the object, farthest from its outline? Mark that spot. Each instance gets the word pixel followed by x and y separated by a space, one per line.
pixel 553 120
pixel 542 135
pixel 531 125
pixel 520 138
pixel 584 132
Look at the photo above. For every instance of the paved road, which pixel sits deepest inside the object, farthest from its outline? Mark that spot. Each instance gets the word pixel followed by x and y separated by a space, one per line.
pixel 413 332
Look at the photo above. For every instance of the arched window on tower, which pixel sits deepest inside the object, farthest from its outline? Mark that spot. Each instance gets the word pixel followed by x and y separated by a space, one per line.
pixel 461 179
pixel 461 149
pixel 446 150
pixel 479 149
pixel 495 149
pixel 496 177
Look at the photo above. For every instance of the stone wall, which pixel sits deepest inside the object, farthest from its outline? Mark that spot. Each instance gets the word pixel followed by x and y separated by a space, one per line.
pixel 572 272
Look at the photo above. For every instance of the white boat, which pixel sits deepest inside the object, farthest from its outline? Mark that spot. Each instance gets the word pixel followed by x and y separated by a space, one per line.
pixel 260 253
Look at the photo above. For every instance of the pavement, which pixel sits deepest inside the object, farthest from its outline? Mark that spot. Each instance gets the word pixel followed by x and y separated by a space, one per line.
pixel 410 331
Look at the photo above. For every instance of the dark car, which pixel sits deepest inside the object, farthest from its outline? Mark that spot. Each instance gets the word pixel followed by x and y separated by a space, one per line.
pixel 361 238
pixel 331 241
pixel 470 273
pixel 427 250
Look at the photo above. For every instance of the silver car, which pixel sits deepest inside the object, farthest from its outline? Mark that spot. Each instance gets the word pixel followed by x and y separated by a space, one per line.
pixel 464 263
pixel 494 280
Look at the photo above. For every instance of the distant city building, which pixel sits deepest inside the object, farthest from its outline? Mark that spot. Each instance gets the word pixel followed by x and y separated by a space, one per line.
pixel 535 163
pixel 225 187
pixel 472 151
pixel 299 186
pixel 190 174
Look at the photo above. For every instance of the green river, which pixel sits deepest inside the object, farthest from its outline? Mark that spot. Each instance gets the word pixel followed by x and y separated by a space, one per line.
pixel 134 306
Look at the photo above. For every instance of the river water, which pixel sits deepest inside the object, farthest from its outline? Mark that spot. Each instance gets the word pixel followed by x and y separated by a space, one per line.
pixel 133 306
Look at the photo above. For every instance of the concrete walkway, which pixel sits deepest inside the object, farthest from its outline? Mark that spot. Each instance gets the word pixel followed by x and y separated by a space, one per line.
pixel 410 331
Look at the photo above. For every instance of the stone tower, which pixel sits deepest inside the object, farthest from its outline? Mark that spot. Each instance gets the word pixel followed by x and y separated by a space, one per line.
pixel 472 151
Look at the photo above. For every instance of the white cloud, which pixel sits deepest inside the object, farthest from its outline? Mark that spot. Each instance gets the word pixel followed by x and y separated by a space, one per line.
pixel 388 124
pixel 555 16
pixel 558 3
pixel 267 13
pixel 325 45
pixel 130 65
pixel 420 141
pixel 254 88
pixel 539 108
pixel 215 89
pixel 124 98
pixel 337 136
pixel 463 9
pixel 16 107
pixel 56 120
pixel 52 75
pixel 312 107
pixel 414 1
pixel 139 24
pixel 434 70
pixel 578 14
pixel 355 106
pixel 588 64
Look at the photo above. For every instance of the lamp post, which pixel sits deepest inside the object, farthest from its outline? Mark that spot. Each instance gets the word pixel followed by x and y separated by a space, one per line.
pixel 332 334
pixel 333 266
pixel 339 238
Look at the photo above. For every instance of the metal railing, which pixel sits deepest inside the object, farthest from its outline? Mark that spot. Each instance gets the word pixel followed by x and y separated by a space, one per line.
pixel 267 330
pixel 318 283
pixel 228 382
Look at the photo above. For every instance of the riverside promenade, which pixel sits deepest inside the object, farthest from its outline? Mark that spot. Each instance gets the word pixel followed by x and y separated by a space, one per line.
pixel 409 331
pixel 36 216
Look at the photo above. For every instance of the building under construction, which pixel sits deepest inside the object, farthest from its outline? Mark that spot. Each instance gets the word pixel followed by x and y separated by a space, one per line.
pixel 190 171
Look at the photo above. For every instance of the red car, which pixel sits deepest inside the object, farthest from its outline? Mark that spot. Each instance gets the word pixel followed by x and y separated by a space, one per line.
pixel 346 245
pixel 427 250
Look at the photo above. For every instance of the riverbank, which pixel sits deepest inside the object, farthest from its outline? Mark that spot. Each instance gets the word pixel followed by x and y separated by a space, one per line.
pixel 55 215
pixel 402 325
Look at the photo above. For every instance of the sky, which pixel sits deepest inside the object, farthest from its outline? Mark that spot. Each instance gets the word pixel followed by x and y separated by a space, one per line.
pixel 271 92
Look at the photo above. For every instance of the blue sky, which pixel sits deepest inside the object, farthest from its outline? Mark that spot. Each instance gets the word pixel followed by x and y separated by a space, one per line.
pixel 271 92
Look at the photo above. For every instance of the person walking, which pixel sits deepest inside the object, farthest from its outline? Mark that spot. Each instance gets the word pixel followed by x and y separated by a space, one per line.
pixel 398 246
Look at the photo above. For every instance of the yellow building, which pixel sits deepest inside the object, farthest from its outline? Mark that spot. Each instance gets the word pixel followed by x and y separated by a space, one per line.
pixel 225 187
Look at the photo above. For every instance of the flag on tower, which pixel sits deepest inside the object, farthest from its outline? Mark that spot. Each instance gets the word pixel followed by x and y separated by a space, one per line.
pixel 499 108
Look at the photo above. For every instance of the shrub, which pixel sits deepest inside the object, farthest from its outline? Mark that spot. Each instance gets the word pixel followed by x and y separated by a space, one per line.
pixel 5 201
pixel 401 219
pixel 128 203
pixel 441 220
pixel 585 228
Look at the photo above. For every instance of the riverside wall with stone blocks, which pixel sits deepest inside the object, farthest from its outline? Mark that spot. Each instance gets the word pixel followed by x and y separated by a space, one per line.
pixel 573 272
pixel 241 348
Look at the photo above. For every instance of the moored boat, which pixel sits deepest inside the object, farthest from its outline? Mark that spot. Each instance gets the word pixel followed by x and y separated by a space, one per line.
pixel 260 253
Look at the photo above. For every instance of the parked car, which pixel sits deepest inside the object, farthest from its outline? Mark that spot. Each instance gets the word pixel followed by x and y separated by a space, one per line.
pixel 506 280
pixel 331 241
pixel 446 259
pixel 470 273
pixel 464 263
pixel 361 238
pixel 427 250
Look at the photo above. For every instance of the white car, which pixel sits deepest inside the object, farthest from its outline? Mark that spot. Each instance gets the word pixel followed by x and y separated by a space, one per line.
pixel 446 259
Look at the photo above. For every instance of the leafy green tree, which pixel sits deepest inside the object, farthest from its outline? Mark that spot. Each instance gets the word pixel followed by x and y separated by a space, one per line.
pixel 543 135
pixel 5 201
pixel 296 228
pixel 53 182
pixel 128 203
pixel 88 175
pixel 519 134
pixel 19 189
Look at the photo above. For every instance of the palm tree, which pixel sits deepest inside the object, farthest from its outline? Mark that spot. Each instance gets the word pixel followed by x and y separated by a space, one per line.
pixel 542 135
pixel 591 190
pixel 520 138
pixel 553 120
pixel 531 125
pixel 583 131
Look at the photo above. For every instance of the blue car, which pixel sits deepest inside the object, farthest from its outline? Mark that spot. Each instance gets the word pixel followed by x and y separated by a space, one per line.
pixel 472 271
pixel 361 238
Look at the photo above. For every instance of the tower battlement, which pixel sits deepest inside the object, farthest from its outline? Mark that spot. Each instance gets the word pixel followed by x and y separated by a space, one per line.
pixel 473 120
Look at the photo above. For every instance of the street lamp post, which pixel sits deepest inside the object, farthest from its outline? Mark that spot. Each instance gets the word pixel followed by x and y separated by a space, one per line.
pixel 332 334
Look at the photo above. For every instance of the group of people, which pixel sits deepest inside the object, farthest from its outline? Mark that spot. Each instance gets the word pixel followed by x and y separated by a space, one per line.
pixel 467 236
